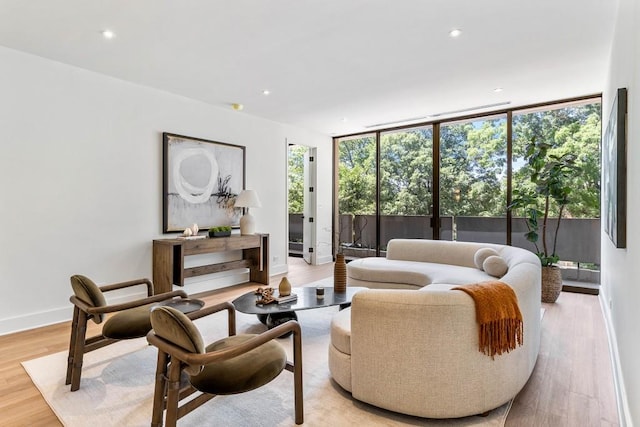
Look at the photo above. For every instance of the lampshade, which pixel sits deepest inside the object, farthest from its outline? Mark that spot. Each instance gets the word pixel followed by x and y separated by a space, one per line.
pixel 248 199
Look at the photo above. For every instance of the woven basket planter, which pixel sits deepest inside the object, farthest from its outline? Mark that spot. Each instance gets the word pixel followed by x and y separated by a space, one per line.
pixel 551 283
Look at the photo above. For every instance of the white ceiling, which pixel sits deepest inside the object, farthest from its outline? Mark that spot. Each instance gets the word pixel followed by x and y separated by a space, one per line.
pixel 369 61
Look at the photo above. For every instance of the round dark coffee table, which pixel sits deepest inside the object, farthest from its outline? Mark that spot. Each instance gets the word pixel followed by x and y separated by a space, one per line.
pixel 275 314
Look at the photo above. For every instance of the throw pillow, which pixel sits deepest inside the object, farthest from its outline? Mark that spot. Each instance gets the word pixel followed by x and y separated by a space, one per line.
pixel 482 254
pixel 495 266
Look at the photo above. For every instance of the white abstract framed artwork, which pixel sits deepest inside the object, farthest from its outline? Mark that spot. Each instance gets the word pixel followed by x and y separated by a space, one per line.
pixel 201 180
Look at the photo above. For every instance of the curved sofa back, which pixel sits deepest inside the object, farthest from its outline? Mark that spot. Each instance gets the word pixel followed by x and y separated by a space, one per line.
pixel 436 251
pixel 453 253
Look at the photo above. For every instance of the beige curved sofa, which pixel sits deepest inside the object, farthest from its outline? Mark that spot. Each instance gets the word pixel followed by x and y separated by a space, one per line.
pixel 414 348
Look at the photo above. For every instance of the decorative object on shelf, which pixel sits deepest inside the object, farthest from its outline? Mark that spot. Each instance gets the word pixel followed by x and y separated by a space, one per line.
pixel 191 233
pixel 201 180
pixel 284 289
pixel 320 293
pixel 614 167
pixel 266 296
pixel 340 274
pixel 220 231
pixel 550 175
pixel 247 199
pixel 551 283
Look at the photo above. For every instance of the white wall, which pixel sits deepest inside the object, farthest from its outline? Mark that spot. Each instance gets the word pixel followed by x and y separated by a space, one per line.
pixel 620 267
pixel 81 177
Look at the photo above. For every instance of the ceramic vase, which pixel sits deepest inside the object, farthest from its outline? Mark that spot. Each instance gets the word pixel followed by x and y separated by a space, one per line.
pixel 340 274
pixel 284 288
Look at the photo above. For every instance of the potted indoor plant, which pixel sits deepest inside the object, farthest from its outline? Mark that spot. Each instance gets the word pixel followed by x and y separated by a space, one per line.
pixel 549 173
pixel 220 231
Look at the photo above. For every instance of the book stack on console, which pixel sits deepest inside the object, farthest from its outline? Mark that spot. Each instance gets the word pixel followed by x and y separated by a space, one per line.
pixel 285 299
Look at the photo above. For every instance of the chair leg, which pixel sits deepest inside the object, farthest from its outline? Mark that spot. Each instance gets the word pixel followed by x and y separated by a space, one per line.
pixel 160 391
pixel 173 392
pixel 78 351
pixel 72 343
pixel 297 376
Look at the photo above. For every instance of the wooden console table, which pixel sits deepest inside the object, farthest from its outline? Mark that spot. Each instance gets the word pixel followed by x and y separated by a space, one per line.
pixel 169 254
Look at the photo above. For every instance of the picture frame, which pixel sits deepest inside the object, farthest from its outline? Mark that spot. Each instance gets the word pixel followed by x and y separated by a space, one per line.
pixel 201 180
pixel 614 165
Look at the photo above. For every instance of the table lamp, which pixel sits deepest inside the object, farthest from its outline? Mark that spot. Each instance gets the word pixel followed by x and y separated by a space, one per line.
pixel 247 199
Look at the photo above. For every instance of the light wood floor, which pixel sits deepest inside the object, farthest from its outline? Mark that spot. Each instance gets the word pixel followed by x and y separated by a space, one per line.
pixel 572 384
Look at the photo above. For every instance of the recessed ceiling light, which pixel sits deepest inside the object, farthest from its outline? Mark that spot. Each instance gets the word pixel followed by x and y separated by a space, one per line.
pixel 108 34
pixel 498 89
pixel 266 92
pixel 237 107
pixel 455 32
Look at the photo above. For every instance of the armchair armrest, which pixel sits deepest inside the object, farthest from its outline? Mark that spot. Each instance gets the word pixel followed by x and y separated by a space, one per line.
pixel 231 315
pixel 195 359
pixel 126 305
pixel 129 283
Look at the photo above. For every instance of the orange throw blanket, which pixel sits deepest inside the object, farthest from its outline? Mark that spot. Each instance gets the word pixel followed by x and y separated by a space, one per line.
pixel 498 315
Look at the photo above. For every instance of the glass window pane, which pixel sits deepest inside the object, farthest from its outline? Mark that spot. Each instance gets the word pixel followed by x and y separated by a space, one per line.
pixel 572 129
pixel 357 196
pixel 406 171
pixel 296 197
pixel 473 180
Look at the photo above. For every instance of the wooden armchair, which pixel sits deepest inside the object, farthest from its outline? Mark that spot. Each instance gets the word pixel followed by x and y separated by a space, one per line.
pixel 130 319
pixel 235 364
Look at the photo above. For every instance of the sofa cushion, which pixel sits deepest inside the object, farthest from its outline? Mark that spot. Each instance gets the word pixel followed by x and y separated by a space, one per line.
pixel 495 266
pixel 384 270
pixel 481 255
pixel 414 275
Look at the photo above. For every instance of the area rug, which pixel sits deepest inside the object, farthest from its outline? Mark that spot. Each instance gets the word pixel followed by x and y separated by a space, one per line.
pixel 117 387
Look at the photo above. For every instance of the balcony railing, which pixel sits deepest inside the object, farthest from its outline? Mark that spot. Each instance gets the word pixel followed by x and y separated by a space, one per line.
pixel 578 238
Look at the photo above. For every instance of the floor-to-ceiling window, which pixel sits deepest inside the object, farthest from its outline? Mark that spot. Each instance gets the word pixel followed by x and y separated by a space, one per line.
pixel 356 231
pixel 450 179
pixel 572 128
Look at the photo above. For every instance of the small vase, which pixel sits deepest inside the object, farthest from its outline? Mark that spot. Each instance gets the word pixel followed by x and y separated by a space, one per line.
pixel 284 288
pixel 340 275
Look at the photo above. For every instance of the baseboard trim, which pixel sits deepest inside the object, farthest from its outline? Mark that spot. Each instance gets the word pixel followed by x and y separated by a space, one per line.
pixel 51 317
pixel 324 259
pixel 580 289
pixel 622 402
